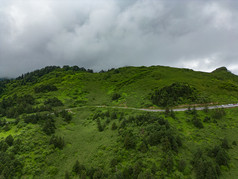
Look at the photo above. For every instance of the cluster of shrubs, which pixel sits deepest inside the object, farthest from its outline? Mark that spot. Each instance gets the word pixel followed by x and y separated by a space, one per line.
pixel 53 102
pixel 57 142
pixel 207 163
pixel 45 120
pixel 10 166
pixel 135 170
pixel 14 106
pixel 108 117
pixel 175 94
pixel 66 115
pixel 45 88
pixel 212 116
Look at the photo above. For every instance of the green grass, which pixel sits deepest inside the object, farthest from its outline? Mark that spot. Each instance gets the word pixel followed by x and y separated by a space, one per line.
pixel 83 91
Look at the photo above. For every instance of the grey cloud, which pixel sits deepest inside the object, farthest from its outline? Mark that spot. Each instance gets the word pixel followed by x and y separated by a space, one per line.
pixel 111 33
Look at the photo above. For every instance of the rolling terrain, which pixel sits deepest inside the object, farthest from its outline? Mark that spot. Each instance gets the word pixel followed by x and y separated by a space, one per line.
pixel 70 122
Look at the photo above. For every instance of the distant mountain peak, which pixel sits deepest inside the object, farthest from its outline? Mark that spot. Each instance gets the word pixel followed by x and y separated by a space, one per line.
pixel 221 69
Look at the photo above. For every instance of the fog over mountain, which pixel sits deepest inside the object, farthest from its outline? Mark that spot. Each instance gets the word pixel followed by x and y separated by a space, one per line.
pixel 102 34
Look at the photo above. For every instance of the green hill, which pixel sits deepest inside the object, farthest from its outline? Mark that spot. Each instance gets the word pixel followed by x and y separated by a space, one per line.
pixel 67 123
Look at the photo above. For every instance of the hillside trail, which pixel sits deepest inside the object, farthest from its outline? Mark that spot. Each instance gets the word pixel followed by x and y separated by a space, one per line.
pixel 160 110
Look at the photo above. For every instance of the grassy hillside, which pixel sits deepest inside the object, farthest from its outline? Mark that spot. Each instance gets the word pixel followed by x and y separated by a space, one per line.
pixel 60 123
pixel 135 85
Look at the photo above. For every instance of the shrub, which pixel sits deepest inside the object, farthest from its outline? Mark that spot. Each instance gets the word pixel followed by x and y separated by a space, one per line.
pixel 9 140
pixel 54 102
pixel 114 126
pixel 115 96
pixel 45 88
pixel 177 93
pixel 57 141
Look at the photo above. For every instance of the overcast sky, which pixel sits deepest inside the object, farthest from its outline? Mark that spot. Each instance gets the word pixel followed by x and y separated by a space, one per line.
pixel 101 34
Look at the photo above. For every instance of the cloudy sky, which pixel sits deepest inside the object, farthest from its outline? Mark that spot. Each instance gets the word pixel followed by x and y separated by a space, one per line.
pixel 101 34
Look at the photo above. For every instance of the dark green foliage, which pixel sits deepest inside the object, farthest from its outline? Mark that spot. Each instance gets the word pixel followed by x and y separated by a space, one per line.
pixel 123 124
pixel 225 144
pixel 115 96
pixel 66 115
pixel 57 141
pixel 129 141
pixel 16 105
pixel 207 119
pixel 36 118
pixel 175 94
pixel 113 115
pixel 205 167
pixel 218 114
pixel 137 168
pixel 54 102
pixel 113 162
pixel 207 163
pixel 9 140
pixel 160 132
pixel 45 88
pixel 66 175
pixel 3 146
pixel 143 147
pixel 114 126
pixel 9 166
pixel 99 125
pixel 222 157
pixel 182 165
pixel 78 168
pixel 98 174
pixel 234 143
pixel 197 122
pixel 49 126
pixel 168 163
pixel 33 77
pixel 3 83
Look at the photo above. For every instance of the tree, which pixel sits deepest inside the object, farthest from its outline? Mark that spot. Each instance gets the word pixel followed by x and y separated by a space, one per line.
pixel 129 142
pixel 66 115
pixel 49 127
pixel 100 127
pixel 114 126
pixel 76 167
pixel 57 141
pixel 115 96
pixel 9 140
pixel 67 176
pixel 225 144
pixel 168 163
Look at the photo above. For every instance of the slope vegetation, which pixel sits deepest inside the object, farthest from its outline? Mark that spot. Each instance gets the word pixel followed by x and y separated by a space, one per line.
pixel 55 123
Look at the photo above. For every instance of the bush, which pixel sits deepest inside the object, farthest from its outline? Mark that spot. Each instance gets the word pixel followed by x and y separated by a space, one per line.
pixel 57 141
pixel 115 96
pixel 54 102
pixel 129 141
pixel 9 140
pixel 66 115
pixel 177 93
pixel 49 127
pixel 114 126
pixel 197 123
pixel 45 88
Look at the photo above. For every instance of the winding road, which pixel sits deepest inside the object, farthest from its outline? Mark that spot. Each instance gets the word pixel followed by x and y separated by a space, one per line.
pixel 178 109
